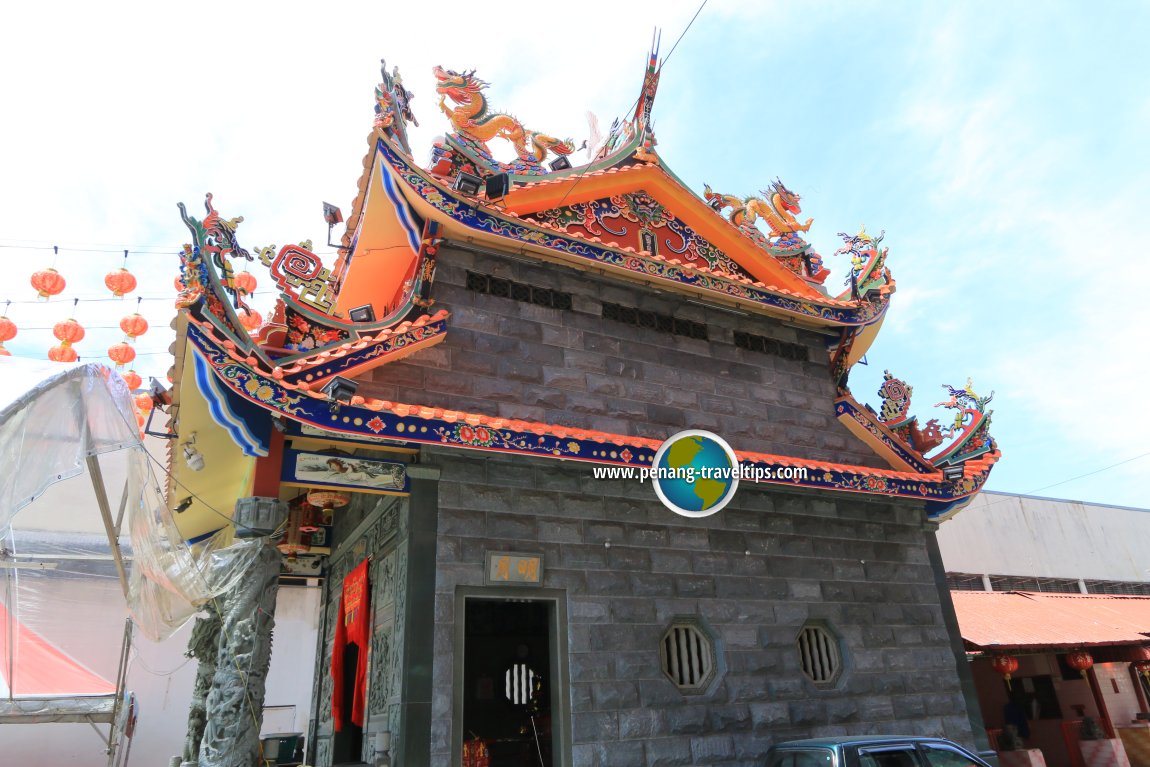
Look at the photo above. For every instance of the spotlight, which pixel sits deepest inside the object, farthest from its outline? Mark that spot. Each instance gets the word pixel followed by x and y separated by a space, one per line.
pixel 280 424
pixel 468 183
pixel 340 390
pixel 497 186
pixel 193 457
pixel 560 163
pixel 363 313
pixel 183 505
pixel 331 214
pixel 952 473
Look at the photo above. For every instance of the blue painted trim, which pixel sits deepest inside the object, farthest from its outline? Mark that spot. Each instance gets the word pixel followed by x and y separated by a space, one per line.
pixel 232 416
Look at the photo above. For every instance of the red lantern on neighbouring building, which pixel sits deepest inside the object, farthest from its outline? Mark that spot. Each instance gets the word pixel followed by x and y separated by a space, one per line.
pixel 48 282
pixel 121 353
pixel 134 325
pixel 245 283
pixel 120 282
pixel 1080 660
pixel 1005 665
pixel 144 402
pixel 132 379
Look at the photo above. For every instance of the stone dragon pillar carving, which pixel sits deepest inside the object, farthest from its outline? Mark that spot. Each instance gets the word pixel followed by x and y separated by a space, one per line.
pixel 204 646
pixel 235 701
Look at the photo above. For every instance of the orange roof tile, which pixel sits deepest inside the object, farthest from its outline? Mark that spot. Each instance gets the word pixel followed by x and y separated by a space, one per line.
pixel 1017 619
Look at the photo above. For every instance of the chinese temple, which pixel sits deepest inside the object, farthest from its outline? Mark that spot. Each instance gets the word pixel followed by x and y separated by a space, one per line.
pixel 419 424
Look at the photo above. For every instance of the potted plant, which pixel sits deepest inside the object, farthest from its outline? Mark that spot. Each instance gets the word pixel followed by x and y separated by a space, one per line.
pixel 1097 749
pixel 1012 751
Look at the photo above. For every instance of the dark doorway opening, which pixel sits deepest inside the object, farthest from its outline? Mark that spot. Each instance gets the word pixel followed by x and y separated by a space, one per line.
pixel 347 744
pixel 506 689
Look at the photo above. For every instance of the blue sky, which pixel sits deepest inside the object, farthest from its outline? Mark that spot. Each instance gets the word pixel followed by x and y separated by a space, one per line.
pixel 1001 146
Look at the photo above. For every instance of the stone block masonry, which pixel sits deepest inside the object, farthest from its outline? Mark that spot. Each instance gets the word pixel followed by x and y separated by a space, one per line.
pixel 574 368
pixel 754 574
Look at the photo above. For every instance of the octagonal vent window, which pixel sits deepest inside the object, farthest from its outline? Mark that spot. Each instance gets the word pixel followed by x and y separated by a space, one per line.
pixel 819 654
pixel 687 655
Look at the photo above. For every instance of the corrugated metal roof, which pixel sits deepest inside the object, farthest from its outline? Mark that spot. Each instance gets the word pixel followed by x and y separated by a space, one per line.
pixel 1020 619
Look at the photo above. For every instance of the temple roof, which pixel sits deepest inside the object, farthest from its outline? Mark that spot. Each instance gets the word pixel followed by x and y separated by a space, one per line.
pixel 625 215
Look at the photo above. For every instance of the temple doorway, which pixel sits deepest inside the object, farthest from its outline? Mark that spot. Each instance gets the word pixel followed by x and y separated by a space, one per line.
pixel 508 681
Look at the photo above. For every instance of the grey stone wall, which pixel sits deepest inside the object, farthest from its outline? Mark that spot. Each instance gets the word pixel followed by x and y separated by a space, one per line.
pixel 574 368
pixel 755 572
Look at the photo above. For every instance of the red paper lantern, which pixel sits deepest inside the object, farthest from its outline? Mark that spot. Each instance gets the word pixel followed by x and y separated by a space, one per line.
pixel 121 353
pixel 134 325
pixel 7 333
pixel 245 283
pixel 63 353
pixel 144 402
pixel 132 379
pixel 1080 660
pixel 120 281
pixel 141 419
pixel 68 332
pixel 48 282
pixel 1005 665
pixel 251 320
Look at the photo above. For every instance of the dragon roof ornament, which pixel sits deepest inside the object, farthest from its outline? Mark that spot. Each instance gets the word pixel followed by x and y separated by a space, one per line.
pixel 393 106
pixel 776 208
pixel 968 436
pixel 476 123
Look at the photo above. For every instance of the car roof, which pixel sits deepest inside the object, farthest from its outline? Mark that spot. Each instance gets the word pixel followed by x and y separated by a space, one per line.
pixel 856 740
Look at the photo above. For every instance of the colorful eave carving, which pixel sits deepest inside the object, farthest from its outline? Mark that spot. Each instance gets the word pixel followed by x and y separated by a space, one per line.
pixel 373 420
pixel 453 208
pixel 303 342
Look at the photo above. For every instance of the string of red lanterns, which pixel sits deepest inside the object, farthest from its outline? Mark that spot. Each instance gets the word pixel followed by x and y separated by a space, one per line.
pixel 49 282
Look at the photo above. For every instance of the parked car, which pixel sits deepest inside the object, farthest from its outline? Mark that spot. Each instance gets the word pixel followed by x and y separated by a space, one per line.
pixel 872 751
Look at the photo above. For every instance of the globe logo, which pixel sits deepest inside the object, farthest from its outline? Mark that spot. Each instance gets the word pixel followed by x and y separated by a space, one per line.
pixel 695 473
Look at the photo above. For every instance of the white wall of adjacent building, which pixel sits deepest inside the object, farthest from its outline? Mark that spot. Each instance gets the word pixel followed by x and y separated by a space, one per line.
pixel 1007 534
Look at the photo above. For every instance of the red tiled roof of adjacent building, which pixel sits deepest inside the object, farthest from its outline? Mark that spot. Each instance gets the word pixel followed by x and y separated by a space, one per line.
pixel 1017 619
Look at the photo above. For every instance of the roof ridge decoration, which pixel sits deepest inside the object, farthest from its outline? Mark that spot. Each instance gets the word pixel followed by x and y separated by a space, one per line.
pixel 475 124
pixel 969 435
pixel 776 208
pixel 393 106
pixel 466 150
pixel 303 339
pixel 868 272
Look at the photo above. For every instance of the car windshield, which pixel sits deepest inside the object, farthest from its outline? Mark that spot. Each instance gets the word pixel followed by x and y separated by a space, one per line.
pixel 813 757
